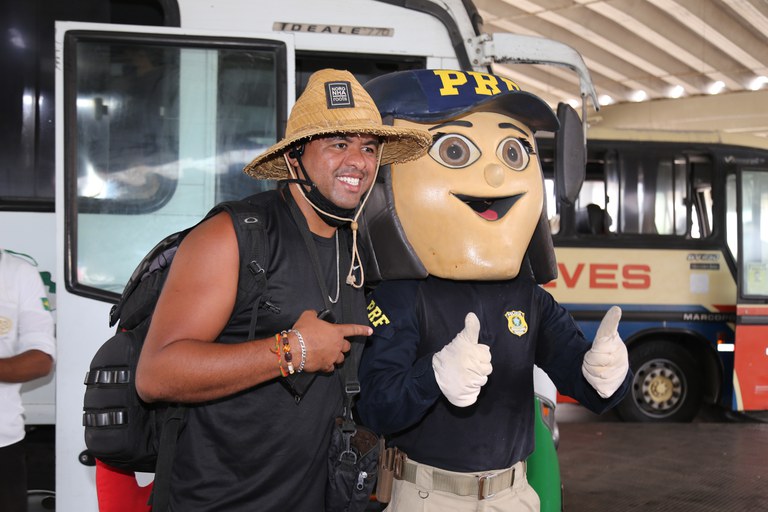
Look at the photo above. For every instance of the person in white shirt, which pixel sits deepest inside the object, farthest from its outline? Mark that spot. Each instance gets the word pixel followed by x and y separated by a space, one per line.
pixel 27 352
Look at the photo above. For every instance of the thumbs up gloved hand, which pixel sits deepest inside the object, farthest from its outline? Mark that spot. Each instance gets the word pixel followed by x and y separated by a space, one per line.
pixel 462 367
pixel 606 363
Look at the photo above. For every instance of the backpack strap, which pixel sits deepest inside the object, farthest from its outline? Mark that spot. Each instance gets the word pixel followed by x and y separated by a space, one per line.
pixel 166 451
pixel 248 221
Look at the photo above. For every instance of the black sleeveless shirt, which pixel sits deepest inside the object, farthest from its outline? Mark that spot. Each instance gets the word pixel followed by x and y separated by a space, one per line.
pixel 265 448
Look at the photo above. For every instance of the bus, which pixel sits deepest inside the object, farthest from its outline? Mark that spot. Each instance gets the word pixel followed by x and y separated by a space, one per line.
pixel 672 225
pixel 132 118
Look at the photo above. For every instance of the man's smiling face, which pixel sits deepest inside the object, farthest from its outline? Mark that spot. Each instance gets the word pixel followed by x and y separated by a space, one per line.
pixel 470 207
pixel 341 166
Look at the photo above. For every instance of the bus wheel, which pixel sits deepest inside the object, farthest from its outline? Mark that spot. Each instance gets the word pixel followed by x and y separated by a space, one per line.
pixel 666 385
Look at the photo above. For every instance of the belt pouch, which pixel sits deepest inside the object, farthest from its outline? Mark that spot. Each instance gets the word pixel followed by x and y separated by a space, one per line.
pixel 386 473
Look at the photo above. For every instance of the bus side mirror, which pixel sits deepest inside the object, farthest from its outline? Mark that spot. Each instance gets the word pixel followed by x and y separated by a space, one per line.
pixel 570 155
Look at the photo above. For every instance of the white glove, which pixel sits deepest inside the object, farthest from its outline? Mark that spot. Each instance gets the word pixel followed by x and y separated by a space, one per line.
pixel 606 363
pixel 462 366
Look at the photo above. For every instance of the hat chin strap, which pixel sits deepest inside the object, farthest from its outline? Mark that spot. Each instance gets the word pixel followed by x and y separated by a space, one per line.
pixel 333 215
pixel 330 213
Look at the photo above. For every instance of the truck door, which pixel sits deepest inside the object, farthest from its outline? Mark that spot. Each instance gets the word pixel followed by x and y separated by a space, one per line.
pixel 751 346
pixel 154 127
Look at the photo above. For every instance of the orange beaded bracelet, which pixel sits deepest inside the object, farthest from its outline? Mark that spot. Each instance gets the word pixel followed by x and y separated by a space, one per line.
pixel 287 352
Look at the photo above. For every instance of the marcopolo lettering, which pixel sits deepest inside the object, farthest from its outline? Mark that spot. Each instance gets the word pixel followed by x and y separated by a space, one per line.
pixel 709 317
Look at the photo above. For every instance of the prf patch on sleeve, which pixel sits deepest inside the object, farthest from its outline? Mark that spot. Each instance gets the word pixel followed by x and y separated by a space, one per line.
pixel 376 316
pixel 46 303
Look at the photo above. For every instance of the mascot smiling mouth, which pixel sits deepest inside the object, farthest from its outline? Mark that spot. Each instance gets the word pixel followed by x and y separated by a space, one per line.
pixel 490 208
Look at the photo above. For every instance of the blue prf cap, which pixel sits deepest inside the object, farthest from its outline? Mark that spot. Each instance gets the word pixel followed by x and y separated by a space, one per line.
pixel 425 95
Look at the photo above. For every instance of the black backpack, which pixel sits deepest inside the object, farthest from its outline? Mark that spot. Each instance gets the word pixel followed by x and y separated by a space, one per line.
pixel 120 429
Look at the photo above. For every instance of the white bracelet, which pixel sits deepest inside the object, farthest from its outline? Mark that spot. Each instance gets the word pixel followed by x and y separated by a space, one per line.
pixel 303 349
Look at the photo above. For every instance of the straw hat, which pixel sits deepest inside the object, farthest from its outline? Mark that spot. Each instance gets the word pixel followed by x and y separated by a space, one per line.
pixel 335 102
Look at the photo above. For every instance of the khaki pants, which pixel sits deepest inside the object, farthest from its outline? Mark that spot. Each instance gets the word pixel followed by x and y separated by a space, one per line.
pixel 421 496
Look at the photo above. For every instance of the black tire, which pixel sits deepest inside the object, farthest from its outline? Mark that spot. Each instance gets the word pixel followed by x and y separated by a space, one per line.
pixel 666 386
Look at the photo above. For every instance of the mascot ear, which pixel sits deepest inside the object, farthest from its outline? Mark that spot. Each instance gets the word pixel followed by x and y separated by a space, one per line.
pixel 541 252
pixel 388 254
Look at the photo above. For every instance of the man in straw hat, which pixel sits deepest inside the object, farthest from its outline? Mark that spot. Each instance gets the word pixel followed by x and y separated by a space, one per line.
pixel 448 372
pixel 258 431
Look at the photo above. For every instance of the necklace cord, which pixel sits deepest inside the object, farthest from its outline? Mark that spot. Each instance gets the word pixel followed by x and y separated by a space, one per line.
pixel 338 277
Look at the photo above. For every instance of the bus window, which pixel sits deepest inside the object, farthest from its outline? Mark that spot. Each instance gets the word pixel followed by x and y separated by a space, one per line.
pixel 592 192
pixel 754 224
pixel 649 197
pixel 646 193
pixel 364 67
pixel 612 181
pixel 731 216
pixel 127 122
pixel 27 101
pixel 701 218
pixel 164 129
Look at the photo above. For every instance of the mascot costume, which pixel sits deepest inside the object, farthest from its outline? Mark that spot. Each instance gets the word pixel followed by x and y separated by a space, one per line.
pixel 459 318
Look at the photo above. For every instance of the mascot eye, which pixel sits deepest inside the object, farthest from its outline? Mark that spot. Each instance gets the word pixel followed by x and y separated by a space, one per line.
pixel 454 151
pixel 514 153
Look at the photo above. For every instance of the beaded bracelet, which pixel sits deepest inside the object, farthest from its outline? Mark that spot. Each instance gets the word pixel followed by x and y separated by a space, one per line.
pixel 279 356
pixel 303 349
pixel 287 352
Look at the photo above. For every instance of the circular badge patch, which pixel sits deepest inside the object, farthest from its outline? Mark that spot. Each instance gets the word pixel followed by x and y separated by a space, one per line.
pixel 5 325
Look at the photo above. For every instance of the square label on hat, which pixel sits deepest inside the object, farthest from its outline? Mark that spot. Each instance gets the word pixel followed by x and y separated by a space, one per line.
pixel 339 95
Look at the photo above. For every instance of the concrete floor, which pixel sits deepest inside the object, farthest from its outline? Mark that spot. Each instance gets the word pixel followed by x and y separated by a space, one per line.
pixel 718 463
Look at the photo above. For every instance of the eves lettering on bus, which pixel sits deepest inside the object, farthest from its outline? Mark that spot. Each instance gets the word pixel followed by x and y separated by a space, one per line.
pixel 604 276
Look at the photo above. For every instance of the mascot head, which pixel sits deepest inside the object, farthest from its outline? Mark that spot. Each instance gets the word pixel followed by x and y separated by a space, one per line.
pixel 469 209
